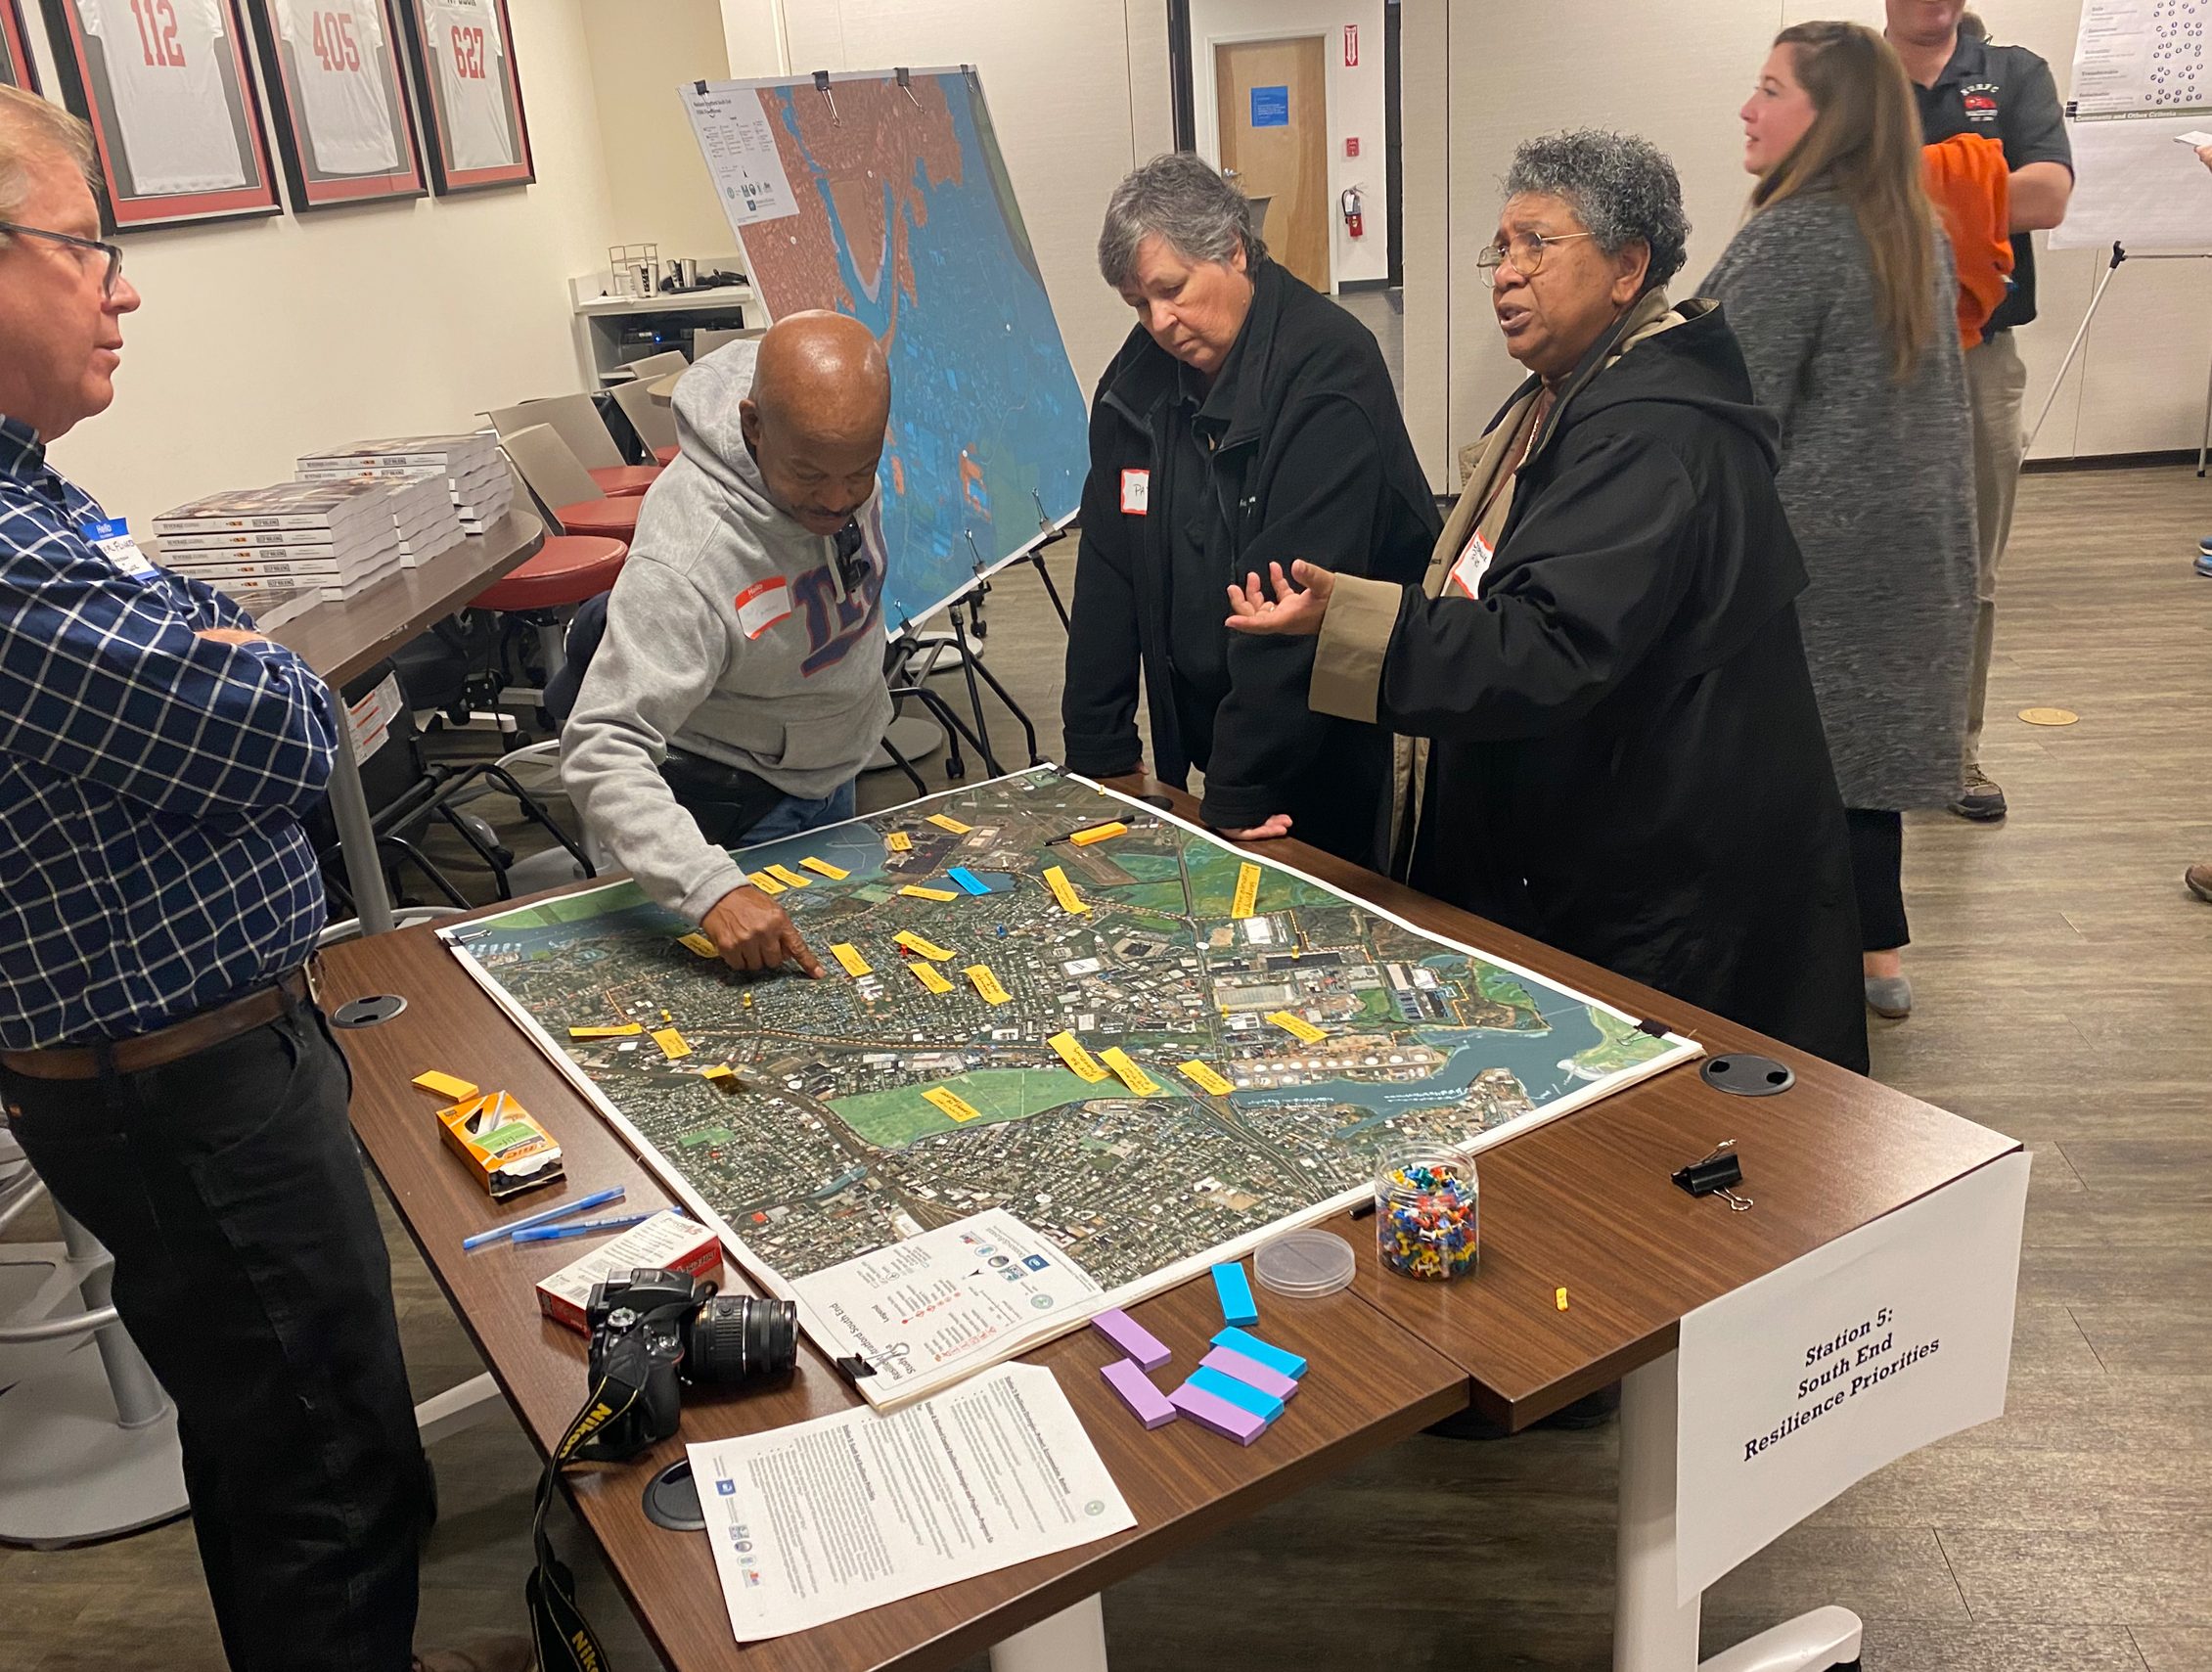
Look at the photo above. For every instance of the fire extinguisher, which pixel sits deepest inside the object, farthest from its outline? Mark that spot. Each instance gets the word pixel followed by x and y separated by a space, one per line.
pixel 1348 201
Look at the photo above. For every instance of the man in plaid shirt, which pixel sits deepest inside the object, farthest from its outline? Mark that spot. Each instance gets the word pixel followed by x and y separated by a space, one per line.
pixel 161 1060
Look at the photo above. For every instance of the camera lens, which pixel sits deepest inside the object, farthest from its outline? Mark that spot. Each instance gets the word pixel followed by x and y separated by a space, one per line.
pixel 736 1337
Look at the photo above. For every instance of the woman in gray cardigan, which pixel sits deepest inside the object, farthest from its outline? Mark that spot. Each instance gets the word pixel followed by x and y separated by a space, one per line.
pixel 1840 288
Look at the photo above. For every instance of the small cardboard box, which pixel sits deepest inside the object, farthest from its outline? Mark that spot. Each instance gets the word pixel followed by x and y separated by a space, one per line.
pixel 666 1240
pixel 508 1150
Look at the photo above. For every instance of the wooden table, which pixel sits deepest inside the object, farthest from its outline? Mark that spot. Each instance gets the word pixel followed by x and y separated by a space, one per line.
pixel 341 640
pixel 1584 1201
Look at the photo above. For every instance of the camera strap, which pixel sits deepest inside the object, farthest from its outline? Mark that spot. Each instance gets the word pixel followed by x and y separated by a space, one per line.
pixel 565 1640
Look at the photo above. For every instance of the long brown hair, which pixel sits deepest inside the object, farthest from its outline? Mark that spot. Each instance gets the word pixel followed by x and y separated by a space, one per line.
pixel 1864 145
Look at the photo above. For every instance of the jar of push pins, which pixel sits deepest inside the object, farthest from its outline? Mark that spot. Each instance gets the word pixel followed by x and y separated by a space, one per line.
pixel 1427 1214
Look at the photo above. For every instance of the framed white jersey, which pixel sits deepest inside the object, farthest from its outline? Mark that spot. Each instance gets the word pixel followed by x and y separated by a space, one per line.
pixel 343 126
pixel 172 107
pixel 470 93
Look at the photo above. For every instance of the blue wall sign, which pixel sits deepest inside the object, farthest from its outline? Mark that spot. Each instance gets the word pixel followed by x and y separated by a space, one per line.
pixel 1271 106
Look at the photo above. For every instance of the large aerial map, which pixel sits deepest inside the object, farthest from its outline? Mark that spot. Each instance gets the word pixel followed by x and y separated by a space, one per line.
pixel 1267 1058
pixel 907 220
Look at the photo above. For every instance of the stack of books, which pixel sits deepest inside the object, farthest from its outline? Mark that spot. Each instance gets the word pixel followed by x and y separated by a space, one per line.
pixel 337 537
pixel 474 470
pixel 422 511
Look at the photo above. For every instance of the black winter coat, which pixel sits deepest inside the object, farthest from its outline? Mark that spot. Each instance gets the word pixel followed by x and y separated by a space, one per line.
pixel 1628 763
pixel 1314 464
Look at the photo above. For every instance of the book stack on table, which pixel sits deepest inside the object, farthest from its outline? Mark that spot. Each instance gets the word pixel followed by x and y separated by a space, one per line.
pixel 476 471
pixel 337 537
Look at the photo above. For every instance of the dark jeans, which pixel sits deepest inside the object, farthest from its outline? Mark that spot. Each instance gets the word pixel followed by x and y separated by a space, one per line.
pixel 250 1271
pixel 1878 868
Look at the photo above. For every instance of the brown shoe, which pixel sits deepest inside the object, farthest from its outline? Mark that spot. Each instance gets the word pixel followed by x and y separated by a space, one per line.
pixel 483 1654
pixel 2199 881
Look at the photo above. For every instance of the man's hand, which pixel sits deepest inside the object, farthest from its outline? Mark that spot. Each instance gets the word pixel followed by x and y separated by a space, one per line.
pixel 1291 612
pixel 2204 155
pixel 230 636
pixel 753 933
pixel 1277 825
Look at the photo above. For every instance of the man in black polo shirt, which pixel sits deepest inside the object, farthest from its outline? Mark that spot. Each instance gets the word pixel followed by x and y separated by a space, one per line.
pixel 1967 85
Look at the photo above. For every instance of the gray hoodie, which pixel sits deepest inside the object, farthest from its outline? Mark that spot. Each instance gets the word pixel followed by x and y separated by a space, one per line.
pixel 730 635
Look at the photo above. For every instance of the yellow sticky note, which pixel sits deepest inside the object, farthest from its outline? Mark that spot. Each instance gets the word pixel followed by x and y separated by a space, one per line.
pixel 1071 1052
pixel 766 883
pixel 671 1043
pixel 927 975
pixel 913 943
pixel 1297 1027
pixel 1098 833
pixel 1063 890
pixel 1204 1078
pixel 1128 1074
pixel 1248 891
pixel 951 1105
pixel 849 957
pixel 825 868
pixel 700 944
pixel 916 892
pixel 718 1071
pixel 987 983
pixel 447 1086
pixel 945 822
pixel 1561 1298
pixel 628 1030
pixel 898 842
pixel 784 875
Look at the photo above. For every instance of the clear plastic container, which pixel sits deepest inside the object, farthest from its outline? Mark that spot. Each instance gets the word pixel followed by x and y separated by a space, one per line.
pixel 1427 1214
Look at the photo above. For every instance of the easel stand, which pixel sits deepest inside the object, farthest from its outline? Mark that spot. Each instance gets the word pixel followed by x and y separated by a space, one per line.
pixel 2112 268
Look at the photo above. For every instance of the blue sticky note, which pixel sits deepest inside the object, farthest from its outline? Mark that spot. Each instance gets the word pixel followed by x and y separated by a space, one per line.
pixel 1263 1352
pixel 1237 1306
pixel 1271 106
pixel 1241 1394
pixel 968 880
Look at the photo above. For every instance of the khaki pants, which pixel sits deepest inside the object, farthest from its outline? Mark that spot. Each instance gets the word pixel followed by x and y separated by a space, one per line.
pixel 1995 382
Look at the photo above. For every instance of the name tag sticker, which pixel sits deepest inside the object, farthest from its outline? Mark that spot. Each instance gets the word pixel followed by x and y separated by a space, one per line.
pixel 1473 564
pixel 1137 493
pixel 762 604
pixel 112 540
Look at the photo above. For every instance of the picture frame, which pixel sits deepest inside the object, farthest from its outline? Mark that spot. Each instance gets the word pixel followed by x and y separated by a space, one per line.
pixel 469 92
pixel 339 101
pixel 174 112
pixel 17 69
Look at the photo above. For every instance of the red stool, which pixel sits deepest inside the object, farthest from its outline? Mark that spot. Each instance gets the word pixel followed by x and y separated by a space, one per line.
pixel 666 455
pixel 611 518
pixel 624 482
pixel 568 570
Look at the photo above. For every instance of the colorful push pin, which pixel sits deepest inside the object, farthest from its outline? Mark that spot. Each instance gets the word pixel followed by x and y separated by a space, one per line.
pixel 1237 1304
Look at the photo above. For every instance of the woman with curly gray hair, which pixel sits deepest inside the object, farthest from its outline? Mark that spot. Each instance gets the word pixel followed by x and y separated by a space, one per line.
pixel 1624 753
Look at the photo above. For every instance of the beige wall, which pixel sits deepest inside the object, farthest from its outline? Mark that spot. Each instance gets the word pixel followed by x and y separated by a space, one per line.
pixel 1678 76
pixel 657 183
pixel 1078 92
pixel 264 339
pixel 1355 108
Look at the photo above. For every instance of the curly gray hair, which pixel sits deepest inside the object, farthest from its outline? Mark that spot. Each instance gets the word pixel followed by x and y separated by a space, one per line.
pixel 1184 198
pixel 1622 186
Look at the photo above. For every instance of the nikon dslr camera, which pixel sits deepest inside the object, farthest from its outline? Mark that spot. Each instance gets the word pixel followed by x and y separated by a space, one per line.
pixel 652 1330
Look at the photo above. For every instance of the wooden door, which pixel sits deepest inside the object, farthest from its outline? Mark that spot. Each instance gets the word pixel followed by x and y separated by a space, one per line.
pixel 1274 116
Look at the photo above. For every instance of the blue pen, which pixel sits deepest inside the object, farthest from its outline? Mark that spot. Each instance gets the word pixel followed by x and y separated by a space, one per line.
pixel 584 1204
pixel 590 1227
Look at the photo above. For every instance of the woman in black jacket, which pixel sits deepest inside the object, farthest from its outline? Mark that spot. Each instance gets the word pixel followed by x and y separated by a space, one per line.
pixel 1246 419
pixel 1627 760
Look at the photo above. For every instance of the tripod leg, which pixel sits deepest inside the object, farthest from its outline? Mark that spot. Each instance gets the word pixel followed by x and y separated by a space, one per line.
pixel 1052 592
pixel 974 693
pixel 1028 729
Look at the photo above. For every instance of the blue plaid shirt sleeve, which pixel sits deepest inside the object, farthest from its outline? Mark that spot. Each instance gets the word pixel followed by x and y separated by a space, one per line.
pixel 211 609
pixel 105 678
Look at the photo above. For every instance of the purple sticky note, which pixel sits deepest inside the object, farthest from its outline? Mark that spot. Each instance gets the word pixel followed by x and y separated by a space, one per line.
pixel 1250 1372
pixel 1132 1338
pixel 1138 1393
pixel 1223 1417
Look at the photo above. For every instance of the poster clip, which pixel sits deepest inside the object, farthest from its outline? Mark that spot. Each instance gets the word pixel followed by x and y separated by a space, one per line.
pixel 906 85
pixel 822 86
pixel 1714 1174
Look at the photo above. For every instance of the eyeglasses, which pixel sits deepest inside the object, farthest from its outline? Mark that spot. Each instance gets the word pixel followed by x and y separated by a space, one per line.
pixel 1525 252
pixel 114 252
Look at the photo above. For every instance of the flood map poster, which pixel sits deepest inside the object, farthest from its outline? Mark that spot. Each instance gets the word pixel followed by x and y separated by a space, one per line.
pixel 1087 1071
pixel 886 196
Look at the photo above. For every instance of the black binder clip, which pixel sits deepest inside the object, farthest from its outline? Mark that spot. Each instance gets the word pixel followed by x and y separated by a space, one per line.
pixel 1715 1174
pixel 906 85
pixel 822 86
pixel 853 1367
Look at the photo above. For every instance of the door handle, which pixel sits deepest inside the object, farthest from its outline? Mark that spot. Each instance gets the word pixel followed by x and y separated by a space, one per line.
pixel 1230 174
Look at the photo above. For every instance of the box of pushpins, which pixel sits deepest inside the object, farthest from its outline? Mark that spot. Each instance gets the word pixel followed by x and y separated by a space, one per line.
pixel 502 1143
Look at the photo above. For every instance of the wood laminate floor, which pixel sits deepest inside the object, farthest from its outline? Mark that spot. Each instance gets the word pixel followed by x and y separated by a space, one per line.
pixel 2064 987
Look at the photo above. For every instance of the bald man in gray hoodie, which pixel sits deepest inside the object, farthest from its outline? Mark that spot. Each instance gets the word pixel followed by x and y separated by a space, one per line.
pixel 739 688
